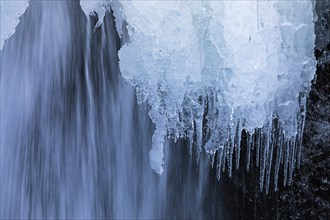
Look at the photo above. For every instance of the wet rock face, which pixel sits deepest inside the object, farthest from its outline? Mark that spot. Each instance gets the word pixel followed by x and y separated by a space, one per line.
pixel 308 196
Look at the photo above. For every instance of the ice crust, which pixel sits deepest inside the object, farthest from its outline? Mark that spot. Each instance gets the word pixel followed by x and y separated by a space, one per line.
pixel 96 7
pixel 10 11
pixel 209 69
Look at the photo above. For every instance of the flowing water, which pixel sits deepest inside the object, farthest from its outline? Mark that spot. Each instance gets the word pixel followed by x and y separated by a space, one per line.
pixel 74 142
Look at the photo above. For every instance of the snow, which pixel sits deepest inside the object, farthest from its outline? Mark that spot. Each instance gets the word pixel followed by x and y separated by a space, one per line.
pixel 10 11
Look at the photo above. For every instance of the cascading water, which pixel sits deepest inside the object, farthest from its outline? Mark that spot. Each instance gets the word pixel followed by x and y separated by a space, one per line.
pixel 74 142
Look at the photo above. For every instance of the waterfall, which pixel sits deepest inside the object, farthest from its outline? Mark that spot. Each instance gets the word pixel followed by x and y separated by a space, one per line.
pixel 74 142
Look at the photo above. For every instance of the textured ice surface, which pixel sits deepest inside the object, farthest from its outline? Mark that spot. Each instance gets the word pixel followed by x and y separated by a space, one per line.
pixel 10 11
pixel 100 7
pixel 209 69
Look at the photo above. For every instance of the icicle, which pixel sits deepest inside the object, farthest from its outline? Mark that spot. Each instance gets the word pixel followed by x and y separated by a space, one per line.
pixel 253 140
pixel 224 157
pixel 238 142
pixel 265 137
pixel 248 153
pixel 212 156
pixel 188 122
pixel 191 143
pixel 270 157
pixel 301 121
pixel 219 161
pixel 269 168
pixel 156 154
pixel 198 112
pixel 299 148
pixel 231 149
pixel 278 160
pixel 258 145
pixel 292 160
pixel 286 161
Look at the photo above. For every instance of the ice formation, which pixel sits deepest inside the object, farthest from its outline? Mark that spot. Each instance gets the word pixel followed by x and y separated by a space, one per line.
pixel 10 11
pixel 99 7
pixel 210 69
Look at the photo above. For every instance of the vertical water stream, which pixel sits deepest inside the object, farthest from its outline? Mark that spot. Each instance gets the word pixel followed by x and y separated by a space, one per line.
pixel 74 143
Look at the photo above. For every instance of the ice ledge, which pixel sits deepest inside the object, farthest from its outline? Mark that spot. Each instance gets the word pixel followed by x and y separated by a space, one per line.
pixel 10 11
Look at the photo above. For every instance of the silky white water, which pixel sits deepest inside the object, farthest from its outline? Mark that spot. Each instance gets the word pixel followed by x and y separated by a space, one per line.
pixel 74 142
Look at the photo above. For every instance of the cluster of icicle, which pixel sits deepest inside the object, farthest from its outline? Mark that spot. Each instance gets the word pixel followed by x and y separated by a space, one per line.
pixel 211 69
